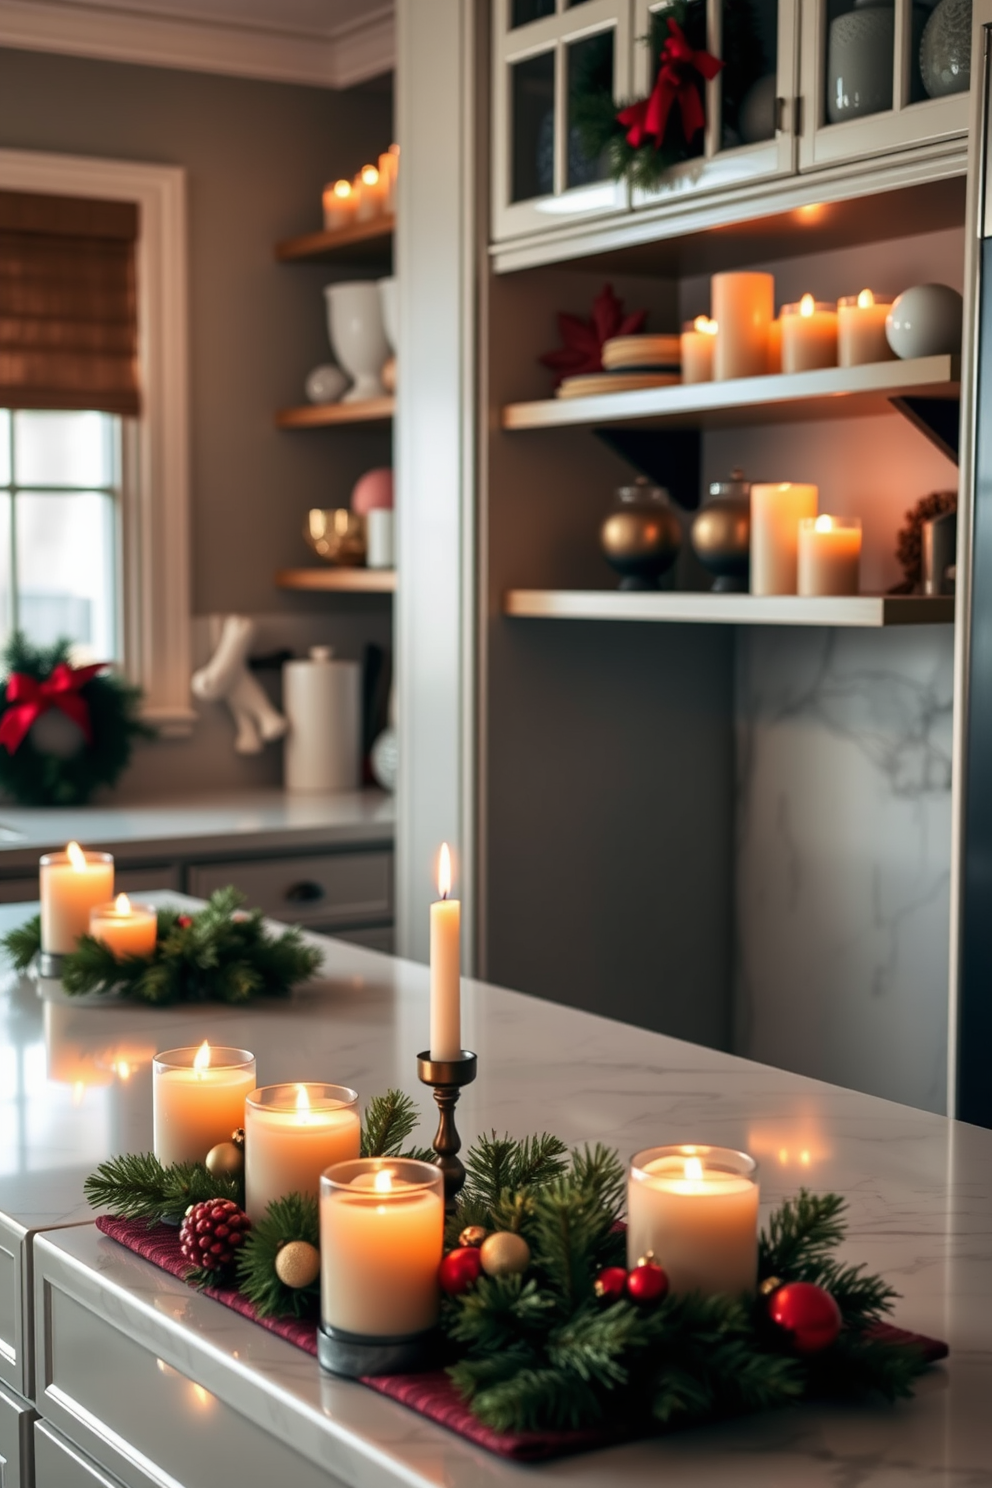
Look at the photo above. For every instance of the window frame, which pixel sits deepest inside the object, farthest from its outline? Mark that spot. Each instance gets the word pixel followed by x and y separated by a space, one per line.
pixel 154 601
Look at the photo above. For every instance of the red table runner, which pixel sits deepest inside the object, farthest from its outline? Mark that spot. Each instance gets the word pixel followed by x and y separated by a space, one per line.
pixel 431 1394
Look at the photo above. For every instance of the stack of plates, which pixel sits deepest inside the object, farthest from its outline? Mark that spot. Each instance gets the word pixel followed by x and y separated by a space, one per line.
pixel 630 362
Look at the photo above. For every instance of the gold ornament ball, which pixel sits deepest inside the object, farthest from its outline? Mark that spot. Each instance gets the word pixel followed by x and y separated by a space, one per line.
pixel 504 1254
pixel 226 1160
pixel 298 1263
pixel 473 1235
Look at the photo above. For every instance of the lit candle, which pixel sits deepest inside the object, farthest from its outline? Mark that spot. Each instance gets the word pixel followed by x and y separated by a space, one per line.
pixel 776 511
pixel 389 164
pixel 696 1209
pixel 775 345
pixel 126 929
pixel 371 194
pixel 743 307
pixel 198 1100
pixel 292 1133
pixel 72 882
pixel 446 990
pixel 809 336
pixel 861 330
pixel 697 342
pixel 829 555
pixel 340 202
pixel 381 1241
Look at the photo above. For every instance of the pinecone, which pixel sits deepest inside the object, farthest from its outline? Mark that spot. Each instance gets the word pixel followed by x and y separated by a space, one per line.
pixel 211 1233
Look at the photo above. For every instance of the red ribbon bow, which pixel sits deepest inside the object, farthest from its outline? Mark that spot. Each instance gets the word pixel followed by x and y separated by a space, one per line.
pixel 674 81
pixel 27 699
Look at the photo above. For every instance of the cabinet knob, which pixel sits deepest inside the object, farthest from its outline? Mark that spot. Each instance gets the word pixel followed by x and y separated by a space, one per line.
pixel 304 892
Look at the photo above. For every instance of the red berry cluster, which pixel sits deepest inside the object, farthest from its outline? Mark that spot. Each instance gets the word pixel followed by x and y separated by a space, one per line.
pixel 211 1233
pixel 645 1282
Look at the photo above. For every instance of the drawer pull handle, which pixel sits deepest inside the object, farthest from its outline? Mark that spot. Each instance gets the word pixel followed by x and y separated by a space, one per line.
pixel 304 892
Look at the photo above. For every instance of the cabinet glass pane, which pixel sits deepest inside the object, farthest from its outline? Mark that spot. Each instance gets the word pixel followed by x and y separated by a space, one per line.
pixel 525 11
pixel 934 69
pixel 532 123
pixel 65 569
pixel 748 82
pixel 694 29
pixel 860 41
pixel 590 70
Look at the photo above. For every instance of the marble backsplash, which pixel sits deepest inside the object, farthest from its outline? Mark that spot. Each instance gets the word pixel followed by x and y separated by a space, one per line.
pixel 843 856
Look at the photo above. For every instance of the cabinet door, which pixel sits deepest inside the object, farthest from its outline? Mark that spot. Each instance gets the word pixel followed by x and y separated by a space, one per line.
pixel 864 89
pixel 750 104
pixel 544 51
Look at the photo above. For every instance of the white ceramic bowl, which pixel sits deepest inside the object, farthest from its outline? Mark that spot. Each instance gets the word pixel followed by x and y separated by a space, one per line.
pixel 354 324
pixel 389 296
pixel 925 321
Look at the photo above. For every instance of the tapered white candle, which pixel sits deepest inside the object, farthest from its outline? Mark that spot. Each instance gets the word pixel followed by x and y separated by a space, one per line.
pixel 446 992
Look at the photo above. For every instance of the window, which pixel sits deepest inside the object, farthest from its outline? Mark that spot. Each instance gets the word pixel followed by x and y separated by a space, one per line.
pixel 60 527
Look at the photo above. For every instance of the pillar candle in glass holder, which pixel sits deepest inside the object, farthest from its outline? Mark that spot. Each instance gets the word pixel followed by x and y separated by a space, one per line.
pixel 861 334
pixel 72 882
pixel 743 306
pixel 371 200
pixel 381 1241
pixel 776 511
pixel 292 1133
pixel 809 336
pixel 198 1099
pixel 698 341
pixel 126 929
pixel 340 202
pixel 446 986
pixel 829 555
pixel 696 1208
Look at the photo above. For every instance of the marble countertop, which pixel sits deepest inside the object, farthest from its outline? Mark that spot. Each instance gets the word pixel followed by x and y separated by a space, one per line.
pixel 248 820
pixel 77 1088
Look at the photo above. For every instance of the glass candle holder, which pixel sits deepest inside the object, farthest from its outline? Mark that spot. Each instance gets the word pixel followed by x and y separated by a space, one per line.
pixel 809 335
pixel 697 344
pixel 861 334
pixel 743 306
pixel 829 555
pixel 126 929
pixel 292 1133
pixel 198 1099
pixel 696 1209
pixel 72 883
pixel 381 1242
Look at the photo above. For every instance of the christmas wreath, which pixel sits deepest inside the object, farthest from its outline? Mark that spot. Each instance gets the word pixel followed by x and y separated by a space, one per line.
pixel 546 1327
pixel 64 730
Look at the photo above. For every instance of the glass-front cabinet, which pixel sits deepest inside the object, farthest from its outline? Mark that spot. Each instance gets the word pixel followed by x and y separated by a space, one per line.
pixel 882 75
pixel 548 55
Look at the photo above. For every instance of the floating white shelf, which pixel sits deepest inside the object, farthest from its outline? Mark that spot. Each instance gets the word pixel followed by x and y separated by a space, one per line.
pixel 834 392
pixel 864 611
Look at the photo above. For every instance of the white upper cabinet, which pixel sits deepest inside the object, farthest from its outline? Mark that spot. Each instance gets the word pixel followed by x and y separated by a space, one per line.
pixel 865 93
pixel 545 53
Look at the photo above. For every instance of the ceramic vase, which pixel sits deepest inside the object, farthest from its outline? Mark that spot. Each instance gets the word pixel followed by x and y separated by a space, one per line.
pixel 859 61
pixel 642 535
pixel 721 534
pixel 358 338
pixel 945 50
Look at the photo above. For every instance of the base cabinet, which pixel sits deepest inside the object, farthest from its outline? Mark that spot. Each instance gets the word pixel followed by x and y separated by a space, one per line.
pixel 58 1464
pixel 16 1418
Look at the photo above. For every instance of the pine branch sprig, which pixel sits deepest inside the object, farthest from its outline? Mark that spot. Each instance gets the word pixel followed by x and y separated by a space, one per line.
pixel 387 1122
pixel 23 943
pixel 801 1233
pixel 294 1217
pixel 137 1186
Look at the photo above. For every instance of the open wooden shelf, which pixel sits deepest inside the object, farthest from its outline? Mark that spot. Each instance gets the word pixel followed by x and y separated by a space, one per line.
pixel 862 611
pixel 323 415
pixel 341 580
pixel 834 392
pixel 362 242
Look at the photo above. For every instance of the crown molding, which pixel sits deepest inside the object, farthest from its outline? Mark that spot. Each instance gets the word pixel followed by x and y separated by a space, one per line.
pixel 338 59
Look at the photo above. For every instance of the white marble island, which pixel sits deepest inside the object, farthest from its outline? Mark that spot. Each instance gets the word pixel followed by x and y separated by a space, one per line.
pixel 158 1385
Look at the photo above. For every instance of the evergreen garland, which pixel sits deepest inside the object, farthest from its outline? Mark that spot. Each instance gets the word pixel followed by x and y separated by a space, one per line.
pixel 35 778
pixel 295 1217
pixel 137 1186
pixel 218 954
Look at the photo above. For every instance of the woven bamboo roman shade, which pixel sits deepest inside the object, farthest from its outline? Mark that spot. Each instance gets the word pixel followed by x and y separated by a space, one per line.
pixel 68 304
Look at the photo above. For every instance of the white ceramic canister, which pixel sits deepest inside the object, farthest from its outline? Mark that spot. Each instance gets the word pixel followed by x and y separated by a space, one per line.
pixel 322 700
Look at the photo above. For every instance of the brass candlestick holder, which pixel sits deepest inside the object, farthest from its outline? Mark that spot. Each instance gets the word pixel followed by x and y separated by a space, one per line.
pixel 447 1077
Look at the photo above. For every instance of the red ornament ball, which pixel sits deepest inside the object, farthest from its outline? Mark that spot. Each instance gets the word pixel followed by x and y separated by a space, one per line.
pixel 647 1282
pixel 807 1313
pixel 460 1269
pixel 184 921
pixel 212 1233
pixel 610 1283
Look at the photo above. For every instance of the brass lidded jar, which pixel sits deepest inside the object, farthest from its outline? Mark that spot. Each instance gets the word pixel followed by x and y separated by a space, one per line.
pixel 642 535
pixel 721 534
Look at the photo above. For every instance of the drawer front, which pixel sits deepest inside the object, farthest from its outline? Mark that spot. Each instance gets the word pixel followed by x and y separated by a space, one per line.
pixel 13 1353
pixel 337 888
pixel 58 1464
pixel 16 1417
pixel 19 890
pixel 372 937
pixel 144 880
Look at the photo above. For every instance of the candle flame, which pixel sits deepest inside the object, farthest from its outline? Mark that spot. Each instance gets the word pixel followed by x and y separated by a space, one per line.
pixel 76 856
pixel 370 176
pixel 444 871
pixel 302 1103
pixel 342 189
pixel 122 1069
pixel 704 325
pixel 122 905
pixel 383 1181
pixel 807 305
pixel 823 524
pixel 693 1170
pixel 201 1059
pixel 865 299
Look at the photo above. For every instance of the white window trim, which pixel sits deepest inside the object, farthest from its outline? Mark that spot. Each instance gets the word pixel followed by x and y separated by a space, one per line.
pixel 156 597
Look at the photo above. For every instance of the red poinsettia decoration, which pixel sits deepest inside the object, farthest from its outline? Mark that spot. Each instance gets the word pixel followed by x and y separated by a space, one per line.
pixel 584 339
pixel 649 118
